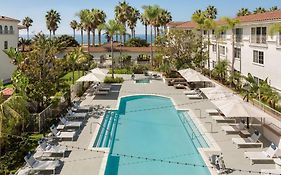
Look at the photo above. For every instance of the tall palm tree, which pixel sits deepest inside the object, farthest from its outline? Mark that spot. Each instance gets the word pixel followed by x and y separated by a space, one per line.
pixel 243 12
pixel 100 28
pixel 199 17
pixel 259 10
pixel 209 24
pixel 165 18
pixel 132 20
pixel 218 31
pixel 52 21
pixel 273 8
pixel 101 21
pixel 112 27
pixel 81 28
pixel 151 13
pixel 231 25
pixel 211 12
pixel 145 22
pixel 27 22
pixel 24 42
pixel 122 11
pixel 86 19
pixel 74 26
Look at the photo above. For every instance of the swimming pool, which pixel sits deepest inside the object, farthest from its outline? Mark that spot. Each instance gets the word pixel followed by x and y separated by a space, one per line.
pixel 163 133
pixel 144 80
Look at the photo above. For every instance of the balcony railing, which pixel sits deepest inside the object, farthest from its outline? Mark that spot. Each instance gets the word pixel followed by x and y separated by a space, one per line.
pixel 258 39
pixel 7 32
pixel 238 38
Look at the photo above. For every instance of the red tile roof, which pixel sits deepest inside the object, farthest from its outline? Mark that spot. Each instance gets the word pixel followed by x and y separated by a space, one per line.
pixel 267 16
pixel 5 18
pixel 174 23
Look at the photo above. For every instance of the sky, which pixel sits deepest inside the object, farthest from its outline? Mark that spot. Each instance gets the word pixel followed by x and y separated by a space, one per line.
pixel 181 10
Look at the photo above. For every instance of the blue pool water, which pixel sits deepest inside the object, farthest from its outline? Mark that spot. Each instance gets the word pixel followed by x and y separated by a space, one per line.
pixel 163 133
pixel 145 80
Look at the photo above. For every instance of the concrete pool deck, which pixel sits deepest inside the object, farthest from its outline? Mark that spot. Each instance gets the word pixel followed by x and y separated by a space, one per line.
pixel 89 162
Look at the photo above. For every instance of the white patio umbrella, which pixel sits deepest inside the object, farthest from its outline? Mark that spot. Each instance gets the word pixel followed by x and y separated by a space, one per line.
pixel 99 71
pixel 90 77
pixel 191 75
pixel 217 93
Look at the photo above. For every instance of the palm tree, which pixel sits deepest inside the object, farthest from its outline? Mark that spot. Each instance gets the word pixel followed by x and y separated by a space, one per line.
pixel 27 22
pixel 24 42
pixel 231 25
pixel 52 21
pixel 199 17
pixel 273 8
pixel 122 11
pixel 112 27
pixel 86 19
pixel 218 31
pixel 165 17
pixel 209 25
pixel 102 17
pixel 259 10
pixel 81 28
pixel 151 13
pixel 75 58
pixel 221 69
pixel 274 28
pixel 243 12
pixel 100 28
pixel 145 22
pixel 211 12
pixel 132 20
pixel 74 26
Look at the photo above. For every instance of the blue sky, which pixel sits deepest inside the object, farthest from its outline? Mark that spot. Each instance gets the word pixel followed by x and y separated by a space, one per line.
pixel 181 9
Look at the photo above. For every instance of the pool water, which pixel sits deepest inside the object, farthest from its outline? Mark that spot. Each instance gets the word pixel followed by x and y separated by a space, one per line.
pixel 163 133
pixel 145 80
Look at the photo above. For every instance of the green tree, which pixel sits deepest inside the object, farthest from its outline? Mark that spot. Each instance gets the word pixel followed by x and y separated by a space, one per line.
pixel 112 27
pixel 151 13
pixel 259 10
pixel 132 20
pixel 102 17
pixel 164 18
pixel 274 28
pixel 86 19
pixel 24 42
pixel 209 25
pixel 243 12
pixel 122 11
pixel 273 8
pixel 52 21
pixel 81 28
pixel 74 26
pixel 220 69
pixel 145 22
pixel 27 22
pixel 75 58
pixel 98 17
pixel 211 12
pixel 231 25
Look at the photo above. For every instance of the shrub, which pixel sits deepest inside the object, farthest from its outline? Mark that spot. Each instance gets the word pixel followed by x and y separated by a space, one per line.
pixel 139 69
pixel 136 42
pixel 68 41
pixel 113 80
pixel 121 71
pixel 143 57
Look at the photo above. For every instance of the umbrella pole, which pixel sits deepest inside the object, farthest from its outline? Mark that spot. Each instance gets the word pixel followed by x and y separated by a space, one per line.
pixel 248 123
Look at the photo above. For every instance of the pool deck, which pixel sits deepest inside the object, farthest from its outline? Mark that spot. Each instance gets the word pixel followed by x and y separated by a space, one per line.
pixel 89 162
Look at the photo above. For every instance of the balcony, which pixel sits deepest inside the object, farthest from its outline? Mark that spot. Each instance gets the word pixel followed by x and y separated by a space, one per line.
pixel 7 32
pixel 258 39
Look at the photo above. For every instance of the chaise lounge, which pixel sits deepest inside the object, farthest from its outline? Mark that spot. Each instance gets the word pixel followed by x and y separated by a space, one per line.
pixel 249 142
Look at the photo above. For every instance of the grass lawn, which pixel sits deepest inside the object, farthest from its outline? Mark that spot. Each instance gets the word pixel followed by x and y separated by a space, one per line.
pixel 68 76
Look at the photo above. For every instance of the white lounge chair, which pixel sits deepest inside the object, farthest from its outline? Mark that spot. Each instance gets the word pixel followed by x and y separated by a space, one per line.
pixel 194 96
pixel 70 124
pixel 51 149
pixel 190 92
pixel 252 141
pixel 62 135
pixel 233 129
pixel 263 156
pixel 75 115
pixel 38 165
pixel 270 171
pixel 212 111
pixel 222 119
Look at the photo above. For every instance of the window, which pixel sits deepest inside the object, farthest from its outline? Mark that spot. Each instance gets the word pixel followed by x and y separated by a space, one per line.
pixel 11 30
pixel 205 32
pixel 213 64
pixel 213 32
pixel 214 48
pixel 1 30
pixel 238 34
pixel 237 52
pixel 5 44
pixel 6 30
pixel 258 57
pixel 222 50
pixel 258 35
pixel 257 79
pixel 279 41
pixel 222 35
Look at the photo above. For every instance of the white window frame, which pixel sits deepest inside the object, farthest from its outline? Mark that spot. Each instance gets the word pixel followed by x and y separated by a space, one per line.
pixel 258 57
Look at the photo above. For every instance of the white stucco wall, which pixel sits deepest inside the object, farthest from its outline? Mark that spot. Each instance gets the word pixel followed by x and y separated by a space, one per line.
pixel 272 55
pixel 6 68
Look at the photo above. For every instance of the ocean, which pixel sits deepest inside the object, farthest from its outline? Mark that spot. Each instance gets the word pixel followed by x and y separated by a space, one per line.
pixel 103 38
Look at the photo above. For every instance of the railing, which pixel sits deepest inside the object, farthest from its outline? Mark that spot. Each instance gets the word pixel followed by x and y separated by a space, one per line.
pixel 9 32
pixel 238 38
pixel 258 39
pixel 267 108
